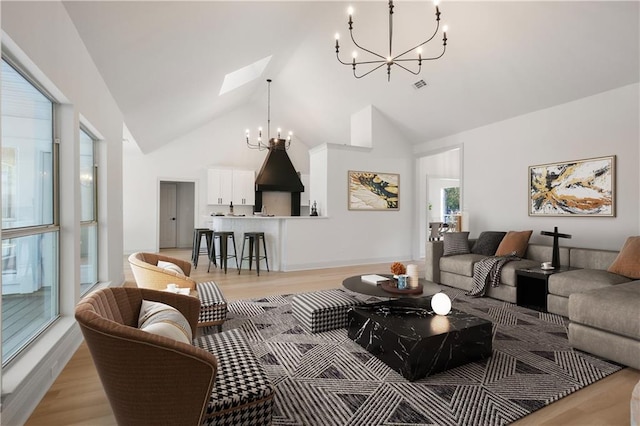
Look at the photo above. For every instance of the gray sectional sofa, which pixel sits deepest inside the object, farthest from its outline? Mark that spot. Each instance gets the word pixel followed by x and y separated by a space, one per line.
pixel 603 308
pixel 457 271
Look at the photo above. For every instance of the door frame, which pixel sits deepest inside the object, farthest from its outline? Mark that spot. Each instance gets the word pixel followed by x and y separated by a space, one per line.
pixel 162 200
pixel 421 213
pixel 196 203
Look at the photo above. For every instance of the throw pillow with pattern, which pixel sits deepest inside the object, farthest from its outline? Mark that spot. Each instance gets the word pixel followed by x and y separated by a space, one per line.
pixel 456 243
pixel 164 320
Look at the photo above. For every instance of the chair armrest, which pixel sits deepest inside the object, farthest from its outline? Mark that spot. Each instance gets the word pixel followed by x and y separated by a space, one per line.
pixel 188 306
pixel 433 253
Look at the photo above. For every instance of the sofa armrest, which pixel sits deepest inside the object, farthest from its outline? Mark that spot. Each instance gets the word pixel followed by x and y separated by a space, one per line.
pixel 433 253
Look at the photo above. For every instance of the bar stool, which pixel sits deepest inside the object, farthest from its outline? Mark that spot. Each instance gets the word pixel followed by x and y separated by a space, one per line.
pixel 198 233
pixel 254 241
pixel 223 237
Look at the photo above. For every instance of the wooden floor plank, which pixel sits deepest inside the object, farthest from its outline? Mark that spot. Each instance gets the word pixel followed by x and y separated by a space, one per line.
pixel 77 398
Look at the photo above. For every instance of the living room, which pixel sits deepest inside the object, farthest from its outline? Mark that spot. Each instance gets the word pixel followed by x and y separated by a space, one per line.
pixel 579 102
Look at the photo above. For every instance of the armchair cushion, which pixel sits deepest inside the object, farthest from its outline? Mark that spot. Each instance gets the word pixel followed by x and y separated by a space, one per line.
pixel 171 267
pixel 164 320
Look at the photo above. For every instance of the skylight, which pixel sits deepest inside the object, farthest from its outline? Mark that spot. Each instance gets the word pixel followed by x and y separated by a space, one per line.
pixel 244 75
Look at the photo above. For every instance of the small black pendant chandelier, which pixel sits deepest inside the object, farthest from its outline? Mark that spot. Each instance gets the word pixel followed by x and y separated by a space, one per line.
pixel 278 142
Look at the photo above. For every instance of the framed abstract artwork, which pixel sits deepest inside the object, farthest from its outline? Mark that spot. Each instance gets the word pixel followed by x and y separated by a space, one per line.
pixel 373 191
pixel 573 188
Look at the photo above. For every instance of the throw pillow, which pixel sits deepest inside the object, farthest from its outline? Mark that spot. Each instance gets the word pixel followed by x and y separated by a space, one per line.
pixel 487 243
pixel 456 243
pixel 170 267
pixel 164 320
pixel 514 242
pixel 628 261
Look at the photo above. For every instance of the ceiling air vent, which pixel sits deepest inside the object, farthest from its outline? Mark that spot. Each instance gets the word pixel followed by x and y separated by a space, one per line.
pixel 419 84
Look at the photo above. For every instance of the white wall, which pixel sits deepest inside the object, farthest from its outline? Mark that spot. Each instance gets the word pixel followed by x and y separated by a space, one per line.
pixel 218 143
pixel 357 237
pixel 43 39
pixel 497 157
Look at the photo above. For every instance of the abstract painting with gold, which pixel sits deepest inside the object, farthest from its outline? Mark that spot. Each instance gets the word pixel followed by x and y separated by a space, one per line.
pixel 573 188
pixel 373 191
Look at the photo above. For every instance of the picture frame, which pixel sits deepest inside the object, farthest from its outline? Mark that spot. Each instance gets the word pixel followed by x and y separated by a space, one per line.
pixel 573 188
pixel 373 191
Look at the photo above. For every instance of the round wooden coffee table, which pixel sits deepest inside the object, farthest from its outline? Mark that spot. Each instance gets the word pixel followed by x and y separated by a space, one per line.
pixel 356 284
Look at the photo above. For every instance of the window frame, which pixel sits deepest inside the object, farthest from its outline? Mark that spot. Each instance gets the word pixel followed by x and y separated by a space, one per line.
pixel 94 222
pixel 32 230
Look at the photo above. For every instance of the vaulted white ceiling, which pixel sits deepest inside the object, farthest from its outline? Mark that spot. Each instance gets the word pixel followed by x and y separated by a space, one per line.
pixel 165 62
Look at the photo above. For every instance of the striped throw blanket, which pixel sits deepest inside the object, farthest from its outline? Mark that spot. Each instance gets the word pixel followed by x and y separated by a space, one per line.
pixel 487 272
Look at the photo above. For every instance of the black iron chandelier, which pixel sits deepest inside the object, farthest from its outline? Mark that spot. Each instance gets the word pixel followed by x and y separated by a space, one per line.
pixel 278 142
pixel 391 59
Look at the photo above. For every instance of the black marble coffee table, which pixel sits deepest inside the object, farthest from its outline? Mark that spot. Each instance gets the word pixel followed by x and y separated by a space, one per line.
pixel 406 336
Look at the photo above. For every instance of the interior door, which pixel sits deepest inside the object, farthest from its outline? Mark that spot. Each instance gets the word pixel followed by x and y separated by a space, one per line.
pixel 168 215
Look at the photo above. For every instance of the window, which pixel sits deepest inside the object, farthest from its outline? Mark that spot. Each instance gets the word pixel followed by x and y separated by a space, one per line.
pixel 451 205
pixel 88 215
pixel 29 229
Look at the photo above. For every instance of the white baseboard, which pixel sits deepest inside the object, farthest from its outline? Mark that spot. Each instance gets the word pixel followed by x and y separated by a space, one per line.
pixel 339 263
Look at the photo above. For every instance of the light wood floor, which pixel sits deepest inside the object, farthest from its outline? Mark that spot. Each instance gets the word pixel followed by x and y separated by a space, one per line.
pixel 77 398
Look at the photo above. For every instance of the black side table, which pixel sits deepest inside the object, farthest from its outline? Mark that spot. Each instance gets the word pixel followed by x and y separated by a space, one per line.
pixel 533 286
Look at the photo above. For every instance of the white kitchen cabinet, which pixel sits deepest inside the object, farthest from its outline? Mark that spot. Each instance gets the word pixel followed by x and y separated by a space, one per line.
pixel 219 186
pixel 226 185
pixel 244 192
pixel 304 196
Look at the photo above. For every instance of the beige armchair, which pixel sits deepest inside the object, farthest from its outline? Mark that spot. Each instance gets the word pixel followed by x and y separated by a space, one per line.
pixel 148 275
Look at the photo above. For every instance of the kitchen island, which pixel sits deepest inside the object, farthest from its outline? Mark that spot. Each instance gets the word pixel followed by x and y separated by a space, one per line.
pixel 277 231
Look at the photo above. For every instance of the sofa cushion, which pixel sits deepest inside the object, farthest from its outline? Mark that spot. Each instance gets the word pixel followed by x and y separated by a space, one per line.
pixel 592 258
pixel 461 264
pixel 628 261
pixel 508 274
pixel 488 242
pixel 164 320
pixel 580 280
pixel 615 309
pixel 514 241
pixel 456 243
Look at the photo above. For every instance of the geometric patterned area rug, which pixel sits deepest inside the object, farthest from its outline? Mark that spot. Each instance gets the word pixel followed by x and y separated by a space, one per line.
pixel 327 379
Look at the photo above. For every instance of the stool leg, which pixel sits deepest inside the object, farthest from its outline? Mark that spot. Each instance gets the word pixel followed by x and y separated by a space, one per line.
pixel 244 240
pixel 212 254
pixel 251 244
pixel 264 247
pixel 223 253
pixel 257 244
pixel 235 253
pixel 196 255
pixel 193 246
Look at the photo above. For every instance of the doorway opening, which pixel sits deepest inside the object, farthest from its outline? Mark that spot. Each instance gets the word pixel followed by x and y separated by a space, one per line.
pixel 176 211
pixel 439 192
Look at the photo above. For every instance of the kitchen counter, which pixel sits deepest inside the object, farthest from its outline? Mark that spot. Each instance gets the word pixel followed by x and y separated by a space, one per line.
pixel 209 218
pixel 282 238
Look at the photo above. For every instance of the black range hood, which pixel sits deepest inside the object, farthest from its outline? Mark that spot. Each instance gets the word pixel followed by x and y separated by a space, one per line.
pixel 278 174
